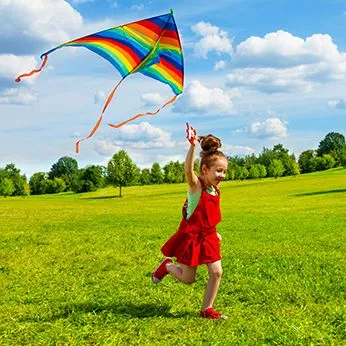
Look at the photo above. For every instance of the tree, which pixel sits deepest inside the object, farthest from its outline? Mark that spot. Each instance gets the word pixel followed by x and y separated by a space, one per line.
pixel 66 168
pixel 230 175
pixel 276 169
pixel 343 158
pixel 334 144
pixel 38 183
pixel 179 171
pixel 174 172
pixel 262 171
pixel 279 152
pixel 6 187
pixel 328 161
pixel 266 157
pixel 19 181
pixel 89 179
pixel 305 161
pixel 169 173
pixel 292 167
pixel 145 177
pixel 250 161
pixel 241 173
pixel 289 161
pixel 257 171
pixel 254 172
pixel 55 185
pixel 121 171
pixel 231 170
pixel 156 175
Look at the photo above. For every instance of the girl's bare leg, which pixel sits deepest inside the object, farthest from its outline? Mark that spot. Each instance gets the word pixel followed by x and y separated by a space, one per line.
pixel 183 273
pixel 215 273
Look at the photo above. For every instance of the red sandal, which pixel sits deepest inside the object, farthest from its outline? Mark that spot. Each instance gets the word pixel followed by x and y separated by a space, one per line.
pixel 161 271
pixel 212 314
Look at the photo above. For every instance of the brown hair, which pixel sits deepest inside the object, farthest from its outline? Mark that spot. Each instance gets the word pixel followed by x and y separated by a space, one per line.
pixel 210 153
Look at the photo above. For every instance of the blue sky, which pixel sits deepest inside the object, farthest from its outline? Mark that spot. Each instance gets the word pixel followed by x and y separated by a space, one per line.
pixel 257 73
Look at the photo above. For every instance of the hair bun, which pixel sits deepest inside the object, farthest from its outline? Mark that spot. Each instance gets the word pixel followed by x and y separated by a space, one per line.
pixel 209 144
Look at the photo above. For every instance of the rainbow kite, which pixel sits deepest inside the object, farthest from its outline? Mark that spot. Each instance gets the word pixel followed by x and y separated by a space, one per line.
pixel 150 46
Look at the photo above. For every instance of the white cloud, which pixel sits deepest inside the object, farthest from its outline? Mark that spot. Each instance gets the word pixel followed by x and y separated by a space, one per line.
pixel 32 24
pixel 282 48
pixel 234 150
pixel 153 99
pixel 200 99
pixel 17 97
pixel 213 39
pixel 282 62
pixel 105 148
pixel 220 65
pixel 11 66
pixel 271 79
pixel 338 104
pixel 272 128
pixel 135 136
pixel 99 97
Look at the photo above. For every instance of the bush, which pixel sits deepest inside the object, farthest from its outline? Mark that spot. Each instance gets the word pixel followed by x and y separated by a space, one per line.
pixel 88 179
pixel 38 183
pixel 262 170
pixel 156 175
pixel 254 172
pixel 145 178
pixel 6 187
pixel 55 185
pixel 241 173
pixel 276 169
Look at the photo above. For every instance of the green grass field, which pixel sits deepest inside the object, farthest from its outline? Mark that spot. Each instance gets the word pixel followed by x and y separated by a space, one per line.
pixel 75 269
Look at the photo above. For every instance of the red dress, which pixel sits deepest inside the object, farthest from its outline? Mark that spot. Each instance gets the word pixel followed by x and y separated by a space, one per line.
pixel 196 241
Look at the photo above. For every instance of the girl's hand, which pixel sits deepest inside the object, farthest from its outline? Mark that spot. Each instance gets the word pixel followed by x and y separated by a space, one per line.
pixel 219 236
pixel 191 134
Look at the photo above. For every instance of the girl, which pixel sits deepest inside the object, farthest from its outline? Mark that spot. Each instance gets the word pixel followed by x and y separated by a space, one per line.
pixel 197 242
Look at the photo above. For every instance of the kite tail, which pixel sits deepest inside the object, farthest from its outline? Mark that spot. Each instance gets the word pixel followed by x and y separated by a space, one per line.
pixel 147 113
pixel 45 58
pixel 109 99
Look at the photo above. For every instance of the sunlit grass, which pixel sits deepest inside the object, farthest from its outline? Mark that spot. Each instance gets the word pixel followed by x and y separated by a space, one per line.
pixel 75 269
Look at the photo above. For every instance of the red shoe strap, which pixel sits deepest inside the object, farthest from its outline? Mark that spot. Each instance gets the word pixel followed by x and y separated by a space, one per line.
pixel 210 313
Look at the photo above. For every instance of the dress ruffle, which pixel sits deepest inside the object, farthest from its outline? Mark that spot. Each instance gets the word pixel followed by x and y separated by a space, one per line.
pixel 193 247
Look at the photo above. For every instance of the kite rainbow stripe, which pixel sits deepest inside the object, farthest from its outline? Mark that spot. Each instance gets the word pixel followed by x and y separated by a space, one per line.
pixel 150 46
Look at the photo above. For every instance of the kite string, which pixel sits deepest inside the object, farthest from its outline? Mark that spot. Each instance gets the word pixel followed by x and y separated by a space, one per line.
pixel 45 58
pixel 108 101
pixel 147 113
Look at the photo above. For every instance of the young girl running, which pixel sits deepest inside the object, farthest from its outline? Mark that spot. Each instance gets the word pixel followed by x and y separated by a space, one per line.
pixel 196 242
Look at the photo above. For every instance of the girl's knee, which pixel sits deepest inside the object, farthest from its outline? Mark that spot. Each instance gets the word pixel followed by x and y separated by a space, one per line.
pixel 215 273
pixel 189 281
pixel 189 275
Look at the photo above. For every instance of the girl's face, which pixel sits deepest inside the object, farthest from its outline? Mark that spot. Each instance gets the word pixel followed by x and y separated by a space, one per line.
pixel 216 173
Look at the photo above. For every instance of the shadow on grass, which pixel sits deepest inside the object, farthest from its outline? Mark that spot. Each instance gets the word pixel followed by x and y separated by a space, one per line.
pixel 102 197
pixel 321 193
pixel 125 310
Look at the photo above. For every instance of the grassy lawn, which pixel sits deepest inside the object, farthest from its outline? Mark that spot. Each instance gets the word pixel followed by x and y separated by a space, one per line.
pixel 75 268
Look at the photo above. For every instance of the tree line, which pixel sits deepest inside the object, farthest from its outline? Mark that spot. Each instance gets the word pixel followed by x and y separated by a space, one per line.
pixel 121 171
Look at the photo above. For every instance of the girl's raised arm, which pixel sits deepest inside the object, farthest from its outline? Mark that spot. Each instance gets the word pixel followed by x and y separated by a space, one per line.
pixel 190 175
